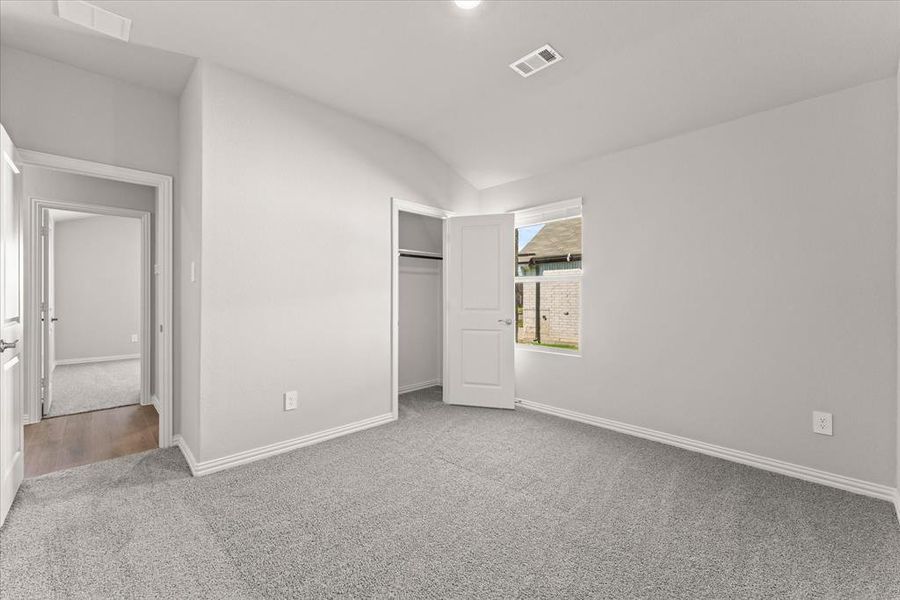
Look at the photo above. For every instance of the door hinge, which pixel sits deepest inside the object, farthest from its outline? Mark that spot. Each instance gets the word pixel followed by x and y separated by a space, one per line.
pixel 43 388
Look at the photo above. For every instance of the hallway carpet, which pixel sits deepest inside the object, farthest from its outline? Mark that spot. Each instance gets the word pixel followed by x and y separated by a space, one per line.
pixel 450 502
pixel 95 386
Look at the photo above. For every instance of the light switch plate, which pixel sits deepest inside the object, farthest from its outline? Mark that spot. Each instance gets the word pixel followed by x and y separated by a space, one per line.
pixel 134 337
pixel 290 400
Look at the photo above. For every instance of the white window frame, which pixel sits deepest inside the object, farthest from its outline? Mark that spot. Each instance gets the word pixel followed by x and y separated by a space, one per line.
pixel 546 213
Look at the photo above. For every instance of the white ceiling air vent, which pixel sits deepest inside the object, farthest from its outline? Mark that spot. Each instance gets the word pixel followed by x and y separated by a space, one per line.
pixel 533 62
pixel 94 18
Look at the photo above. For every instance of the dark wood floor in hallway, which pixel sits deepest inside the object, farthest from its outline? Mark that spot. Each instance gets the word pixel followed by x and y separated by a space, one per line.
pixel 72 440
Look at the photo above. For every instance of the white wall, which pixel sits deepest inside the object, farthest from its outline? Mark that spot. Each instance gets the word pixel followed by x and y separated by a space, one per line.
pixel 295 281
pixel 738 278
pixel 420 302
pixel 47 184
pixel 97 287
pixel 187 231
pixel 419 232
pixel 53 107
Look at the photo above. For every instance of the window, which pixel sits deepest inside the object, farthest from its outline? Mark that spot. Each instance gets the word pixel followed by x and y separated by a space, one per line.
pixel 548 277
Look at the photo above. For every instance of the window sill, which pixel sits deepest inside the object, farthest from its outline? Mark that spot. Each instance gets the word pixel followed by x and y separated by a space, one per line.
pixel 544 350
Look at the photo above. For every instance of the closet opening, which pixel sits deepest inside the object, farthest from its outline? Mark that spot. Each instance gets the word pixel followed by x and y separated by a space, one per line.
pixel 418 306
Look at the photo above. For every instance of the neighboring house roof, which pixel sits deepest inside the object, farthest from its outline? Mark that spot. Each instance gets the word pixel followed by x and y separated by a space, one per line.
pixel 555 240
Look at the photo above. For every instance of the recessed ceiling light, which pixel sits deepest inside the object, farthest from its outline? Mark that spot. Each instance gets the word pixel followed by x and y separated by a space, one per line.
pixel 467 4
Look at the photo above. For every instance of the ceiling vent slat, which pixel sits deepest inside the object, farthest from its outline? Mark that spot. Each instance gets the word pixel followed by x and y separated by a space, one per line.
pixel 547 55
pixel 524 67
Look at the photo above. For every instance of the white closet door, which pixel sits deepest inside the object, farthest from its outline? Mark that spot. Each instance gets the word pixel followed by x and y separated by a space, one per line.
pixel 480 261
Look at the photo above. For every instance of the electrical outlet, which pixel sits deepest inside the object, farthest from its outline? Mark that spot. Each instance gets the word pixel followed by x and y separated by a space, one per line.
pixel 821 423
pixel 290 400
pixel 134 337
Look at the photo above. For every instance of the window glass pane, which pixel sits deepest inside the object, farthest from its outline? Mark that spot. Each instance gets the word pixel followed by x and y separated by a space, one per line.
pixel 548 313
pixel 547 247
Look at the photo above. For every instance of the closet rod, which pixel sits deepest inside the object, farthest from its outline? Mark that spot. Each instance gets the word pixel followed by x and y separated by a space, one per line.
pixel 421 254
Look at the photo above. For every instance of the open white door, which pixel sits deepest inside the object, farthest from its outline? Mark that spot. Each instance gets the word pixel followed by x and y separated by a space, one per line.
pixel 479 260
pixel 48 311
pixel 12 434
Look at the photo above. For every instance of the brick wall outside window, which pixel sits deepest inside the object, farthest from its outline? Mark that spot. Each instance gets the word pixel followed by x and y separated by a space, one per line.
pixel 560 313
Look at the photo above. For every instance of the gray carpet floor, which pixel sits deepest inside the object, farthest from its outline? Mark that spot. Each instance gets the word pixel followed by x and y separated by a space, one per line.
pixel 95 386
pixel 449 502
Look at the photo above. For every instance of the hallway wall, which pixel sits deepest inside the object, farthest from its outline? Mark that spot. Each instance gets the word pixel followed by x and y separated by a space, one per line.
pixel 98 285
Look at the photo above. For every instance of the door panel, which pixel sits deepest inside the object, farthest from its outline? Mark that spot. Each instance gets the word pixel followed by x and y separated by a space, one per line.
pixel 481 285
pixel 48 312
pixel 480 263
pixel 480 351
pixel 11 426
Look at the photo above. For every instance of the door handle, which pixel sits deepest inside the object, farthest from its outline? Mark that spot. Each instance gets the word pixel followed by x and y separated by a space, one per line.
pixel 54 320
pixel 505 321
pixel 7 345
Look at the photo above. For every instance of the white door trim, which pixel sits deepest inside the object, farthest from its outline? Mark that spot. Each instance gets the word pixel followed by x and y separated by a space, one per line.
pixel 33 278
pixel 398 206
pixel 162 270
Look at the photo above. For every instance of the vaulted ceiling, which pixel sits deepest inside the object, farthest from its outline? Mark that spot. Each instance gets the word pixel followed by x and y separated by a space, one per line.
pixel 633 72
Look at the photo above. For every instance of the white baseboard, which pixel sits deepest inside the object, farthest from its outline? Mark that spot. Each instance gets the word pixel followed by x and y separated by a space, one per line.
pixel 96 359
pixel 857 486
pixel 412 387
pixel 155 402
pixel 240 458
pixel 186 452
pixel 897 503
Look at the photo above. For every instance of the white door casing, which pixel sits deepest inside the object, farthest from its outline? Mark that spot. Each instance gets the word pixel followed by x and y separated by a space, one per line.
pixel 162 270
pixel 479 260
pixel 12 434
